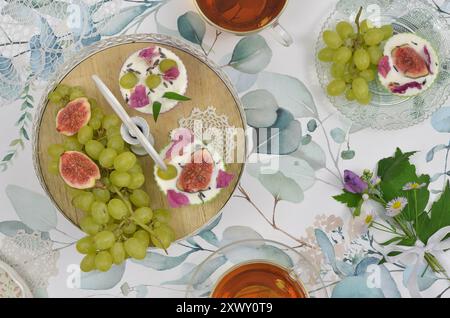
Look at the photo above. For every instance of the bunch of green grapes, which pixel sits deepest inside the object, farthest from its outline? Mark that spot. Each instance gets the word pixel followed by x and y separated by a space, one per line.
pixel 354 55
pixel 118 220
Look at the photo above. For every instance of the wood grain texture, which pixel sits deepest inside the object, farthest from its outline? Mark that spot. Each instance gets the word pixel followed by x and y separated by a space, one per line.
pixel 205 88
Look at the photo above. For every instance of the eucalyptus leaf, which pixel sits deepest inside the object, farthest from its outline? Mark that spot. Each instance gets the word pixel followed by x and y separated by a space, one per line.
pixel 441 120
pixel 313 154
pixel 280 141
pixel 327 249
pixel 35 210
pixel 10 228
pixel 251 55
pixel 97 280
pixel 306 140
pixel 282 187
pixel 241 81
pixel 239 233
pixel 312 125
pixel 348 154
pixel 163 262
pixel 290 93
pixel 338 135
pixel 260 108
pixel 192 27
pixel 434 150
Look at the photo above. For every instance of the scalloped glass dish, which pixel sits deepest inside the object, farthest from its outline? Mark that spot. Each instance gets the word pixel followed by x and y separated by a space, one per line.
pixel 229 257
pixel 387 111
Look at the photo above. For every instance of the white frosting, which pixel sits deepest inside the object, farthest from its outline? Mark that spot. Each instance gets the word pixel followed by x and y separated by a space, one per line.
pixel 140 65
pixel 394 76
pixel 179 161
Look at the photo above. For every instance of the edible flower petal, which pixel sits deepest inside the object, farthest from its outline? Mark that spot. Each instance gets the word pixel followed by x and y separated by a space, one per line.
pixel 354 183
pixel 223 179
pixel 176 199
pixel 139 97
pixel 172 74
pixel 383 66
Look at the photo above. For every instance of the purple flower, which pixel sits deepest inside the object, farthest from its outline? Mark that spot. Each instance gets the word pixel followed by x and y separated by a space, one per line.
pixel 176 199
pixel 223 179
pixel 171 74
pixel 354 183
pixel 383 66
pixel 148 54
pixel 139 97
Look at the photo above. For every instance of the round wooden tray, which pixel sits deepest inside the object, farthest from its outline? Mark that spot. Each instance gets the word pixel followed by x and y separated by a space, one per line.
pixel 208 86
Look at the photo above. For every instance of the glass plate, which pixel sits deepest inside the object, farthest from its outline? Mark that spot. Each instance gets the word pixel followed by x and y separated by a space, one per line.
pixel 387 111
pixel 255 250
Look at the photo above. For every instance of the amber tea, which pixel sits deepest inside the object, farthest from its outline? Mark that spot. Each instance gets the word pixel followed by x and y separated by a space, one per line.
pixel 259 280
pixel 241 15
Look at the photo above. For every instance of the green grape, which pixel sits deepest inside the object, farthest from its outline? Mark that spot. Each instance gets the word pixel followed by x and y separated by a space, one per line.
pixel 143 215
pixel 103 261
pixel 63 90
pixel 162 215
pixel 375 54
pixel 135 248
pixel 361 59
pixel 117 209
pixel 342 55
pixel 360 88
pixel 163 236
pixel 110 121
pixel 113 131
pixel 368 75
pixel 106 157
pixel 332 39
pixel 166 65
pixel 95 123
pixel 365 26
pixel 53 167
pixel 97 113
pixel 55 97
pixel 350 95
pixel 101 195
pixel 142 236
pixel 117 252
pixel 85 134
pixel 120 179
pixel 140 198
pixel 125 161
pixel 326 55
pixel 348 77
pixel 94 104
pixel 89 226
pixel 106 182
pixel 88 263
pixel 373 37
pixel 344 29
pixel 137 180
pixel 99 212
pixel 336 87
pixel 93 149
pixel 128 80
pixel 365 100
pixel 169 174
pixel 84 201
pixel 136 168
pixel 55 151
pixel 388 31
pixel 71 144
pixel 86 245
pixel 104 240
pixel 338 70
pixel 129 228
pixel 76 92
pixel 116 142
pixel 153 81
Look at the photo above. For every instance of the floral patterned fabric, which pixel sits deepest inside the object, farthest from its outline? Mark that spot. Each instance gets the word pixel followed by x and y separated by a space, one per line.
pixel 294 205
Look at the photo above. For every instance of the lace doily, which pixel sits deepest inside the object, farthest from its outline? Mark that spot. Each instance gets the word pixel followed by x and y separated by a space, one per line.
pixel 31 256
pixel 212 129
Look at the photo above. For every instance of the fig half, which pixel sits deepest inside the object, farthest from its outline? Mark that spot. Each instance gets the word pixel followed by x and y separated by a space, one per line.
pixel 73 116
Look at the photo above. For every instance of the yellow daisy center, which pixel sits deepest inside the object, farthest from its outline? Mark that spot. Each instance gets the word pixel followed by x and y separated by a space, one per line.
pixel 397 205
pixel 369 219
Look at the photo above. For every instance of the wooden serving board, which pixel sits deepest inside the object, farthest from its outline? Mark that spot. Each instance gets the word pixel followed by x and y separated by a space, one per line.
pixel 205 88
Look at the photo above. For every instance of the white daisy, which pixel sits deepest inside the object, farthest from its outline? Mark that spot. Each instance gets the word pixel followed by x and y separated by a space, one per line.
pixel 413 186
pixel 396 206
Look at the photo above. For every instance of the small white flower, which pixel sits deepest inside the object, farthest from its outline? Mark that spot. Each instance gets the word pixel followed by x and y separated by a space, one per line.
pixel 413 186
pixel 396 206
pixel 365 197
pixel 375 181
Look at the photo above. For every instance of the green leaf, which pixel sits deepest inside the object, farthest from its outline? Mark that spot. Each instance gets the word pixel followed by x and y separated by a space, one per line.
pixel 417 199
pixel 24 133
pixel 175 96
pixel 351 200
pixel 192 27
pixel 14 142
pixel 8 157
pixel 439 216
pixel 251 55
pixel 156 110
pixel 282 187
pixel 395 172
pixel 392 240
